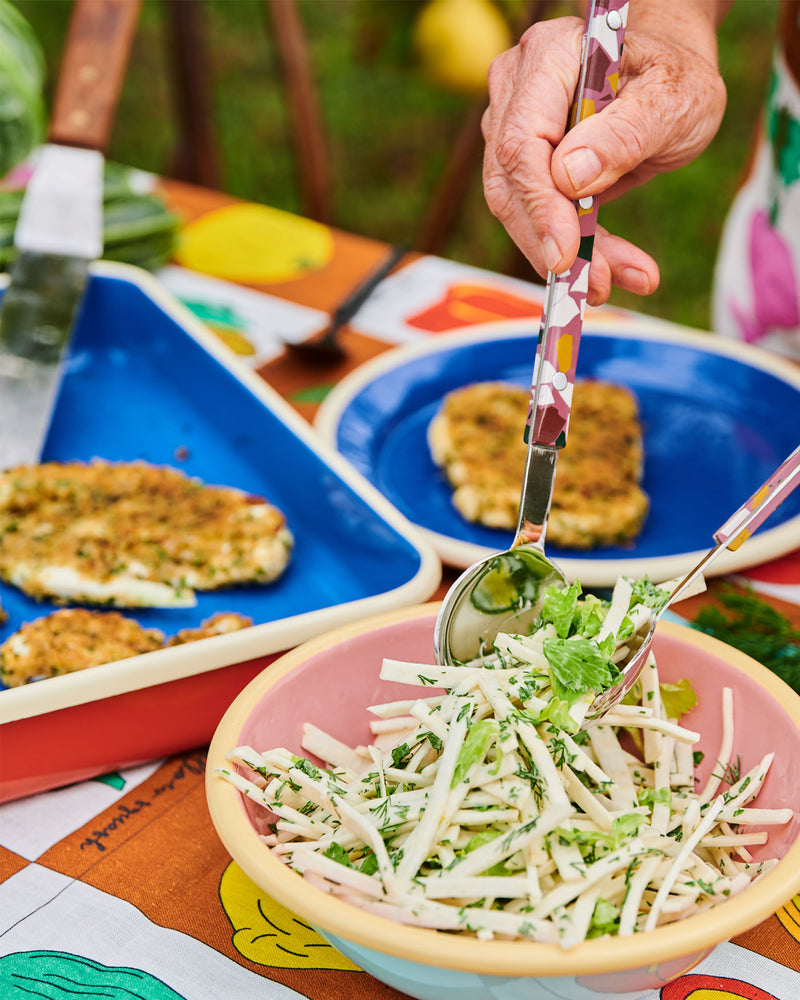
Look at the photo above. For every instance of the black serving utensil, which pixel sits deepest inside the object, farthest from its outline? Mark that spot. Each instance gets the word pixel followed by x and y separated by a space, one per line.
pixel 325 346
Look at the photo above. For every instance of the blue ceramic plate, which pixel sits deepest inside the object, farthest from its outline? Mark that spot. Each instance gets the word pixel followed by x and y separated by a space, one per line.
pixel 718 418
pixel 144 380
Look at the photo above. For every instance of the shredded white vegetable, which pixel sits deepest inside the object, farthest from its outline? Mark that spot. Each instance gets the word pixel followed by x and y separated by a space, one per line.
pixel 490 812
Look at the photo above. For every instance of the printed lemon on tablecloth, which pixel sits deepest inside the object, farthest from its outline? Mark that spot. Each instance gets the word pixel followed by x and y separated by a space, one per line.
pixel 267 933
pixel 254 244
pixel 789 916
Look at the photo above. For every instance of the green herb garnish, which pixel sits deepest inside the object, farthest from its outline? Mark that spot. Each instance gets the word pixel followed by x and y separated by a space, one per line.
pixel 757 629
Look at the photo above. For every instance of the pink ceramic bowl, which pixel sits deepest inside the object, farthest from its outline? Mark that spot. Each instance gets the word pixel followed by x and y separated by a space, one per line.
pixel 331 679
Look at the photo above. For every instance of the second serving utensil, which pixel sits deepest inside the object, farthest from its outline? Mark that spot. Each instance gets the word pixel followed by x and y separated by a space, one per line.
pixel 325 346
pixel 502 592
pixel 731 535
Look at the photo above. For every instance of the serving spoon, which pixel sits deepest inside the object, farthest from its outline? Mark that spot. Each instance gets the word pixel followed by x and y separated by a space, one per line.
pixel 503 592
pixel 733 533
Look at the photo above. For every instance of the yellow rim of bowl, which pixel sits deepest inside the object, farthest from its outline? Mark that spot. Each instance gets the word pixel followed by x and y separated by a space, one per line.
pixel 514 958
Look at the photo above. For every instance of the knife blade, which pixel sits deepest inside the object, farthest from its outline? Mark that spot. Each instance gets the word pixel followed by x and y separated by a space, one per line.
pixel 60 226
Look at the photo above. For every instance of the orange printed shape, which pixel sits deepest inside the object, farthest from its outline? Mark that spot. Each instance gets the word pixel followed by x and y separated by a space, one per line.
pixel 254 244
pixel 702 987
pixel 270 935
pixel 10 863
pixel 469 305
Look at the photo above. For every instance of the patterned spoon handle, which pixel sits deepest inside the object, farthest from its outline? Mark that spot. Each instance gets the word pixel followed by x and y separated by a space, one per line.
pixel 565 299
pixel 743 522
pixel 741 525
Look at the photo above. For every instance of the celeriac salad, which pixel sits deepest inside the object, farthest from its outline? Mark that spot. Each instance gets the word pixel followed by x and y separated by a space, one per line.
pixel 486 802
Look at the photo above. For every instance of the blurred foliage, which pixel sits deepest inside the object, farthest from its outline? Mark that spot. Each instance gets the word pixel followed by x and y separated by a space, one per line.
pixel 137 228
pixel 390 130
pixel 22 111
pixel 756 628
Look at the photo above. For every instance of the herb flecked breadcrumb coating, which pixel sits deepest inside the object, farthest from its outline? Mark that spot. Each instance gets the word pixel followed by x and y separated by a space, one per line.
pixel 476 437
pixel 132 534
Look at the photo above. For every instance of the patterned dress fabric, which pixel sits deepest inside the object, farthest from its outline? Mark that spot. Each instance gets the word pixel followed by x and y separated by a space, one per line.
pixel 757 277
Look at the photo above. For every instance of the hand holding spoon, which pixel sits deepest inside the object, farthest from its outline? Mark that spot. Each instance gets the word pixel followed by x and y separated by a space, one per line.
pixel 503 592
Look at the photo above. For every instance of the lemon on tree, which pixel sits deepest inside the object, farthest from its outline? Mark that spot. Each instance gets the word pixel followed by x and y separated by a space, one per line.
pixel 456 40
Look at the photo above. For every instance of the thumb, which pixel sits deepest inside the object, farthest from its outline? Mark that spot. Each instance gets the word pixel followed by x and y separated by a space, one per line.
pixel 656 123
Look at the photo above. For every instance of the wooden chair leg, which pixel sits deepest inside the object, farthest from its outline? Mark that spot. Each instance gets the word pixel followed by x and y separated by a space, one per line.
pixel 465 159
pixel 196 157
pixel 301 97
pixel 451 193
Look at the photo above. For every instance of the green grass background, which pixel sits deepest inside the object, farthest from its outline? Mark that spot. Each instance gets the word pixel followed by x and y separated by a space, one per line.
pixel 390 131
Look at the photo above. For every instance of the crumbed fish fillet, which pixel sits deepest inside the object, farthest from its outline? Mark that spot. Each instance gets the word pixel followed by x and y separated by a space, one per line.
pixel 132 534
pixel 476 438
pixel 221 623
pixel 72 639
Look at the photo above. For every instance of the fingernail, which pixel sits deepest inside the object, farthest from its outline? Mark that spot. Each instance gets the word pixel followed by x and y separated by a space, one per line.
pixel 551 251
pixel 582 165
pixel 634 280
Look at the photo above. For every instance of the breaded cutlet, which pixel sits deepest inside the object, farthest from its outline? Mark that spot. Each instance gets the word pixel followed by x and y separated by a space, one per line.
pixel 132 534
pixel 476 437
pixel 72 639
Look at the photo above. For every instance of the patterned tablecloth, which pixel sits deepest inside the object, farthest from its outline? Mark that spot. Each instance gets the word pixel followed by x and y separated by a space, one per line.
pixel 119 886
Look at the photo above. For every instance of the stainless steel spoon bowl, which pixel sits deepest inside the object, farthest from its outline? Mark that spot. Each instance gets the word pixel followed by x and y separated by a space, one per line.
pixel 503 592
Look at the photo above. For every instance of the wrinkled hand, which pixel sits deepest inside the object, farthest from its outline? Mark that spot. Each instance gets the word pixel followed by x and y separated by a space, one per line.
pixel 669 105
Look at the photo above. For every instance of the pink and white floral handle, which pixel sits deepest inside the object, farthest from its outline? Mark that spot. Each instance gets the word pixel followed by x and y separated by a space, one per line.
pixel 562 319
pixel 743 522
pixel 741 525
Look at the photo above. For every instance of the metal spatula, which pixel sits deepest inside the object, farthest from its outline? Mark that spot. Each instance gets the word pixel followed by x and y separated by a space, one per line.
pixel 60 226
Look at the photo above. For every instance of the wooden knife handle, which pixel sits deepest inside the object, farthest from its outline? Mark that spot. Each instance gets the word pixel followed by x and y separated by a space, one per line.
pixel 93 68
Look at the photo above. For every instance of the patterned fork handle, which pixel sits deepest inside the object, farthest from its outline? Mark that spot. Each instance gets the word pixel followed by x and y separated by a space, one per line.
pixel 562 319
pixel 741 525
